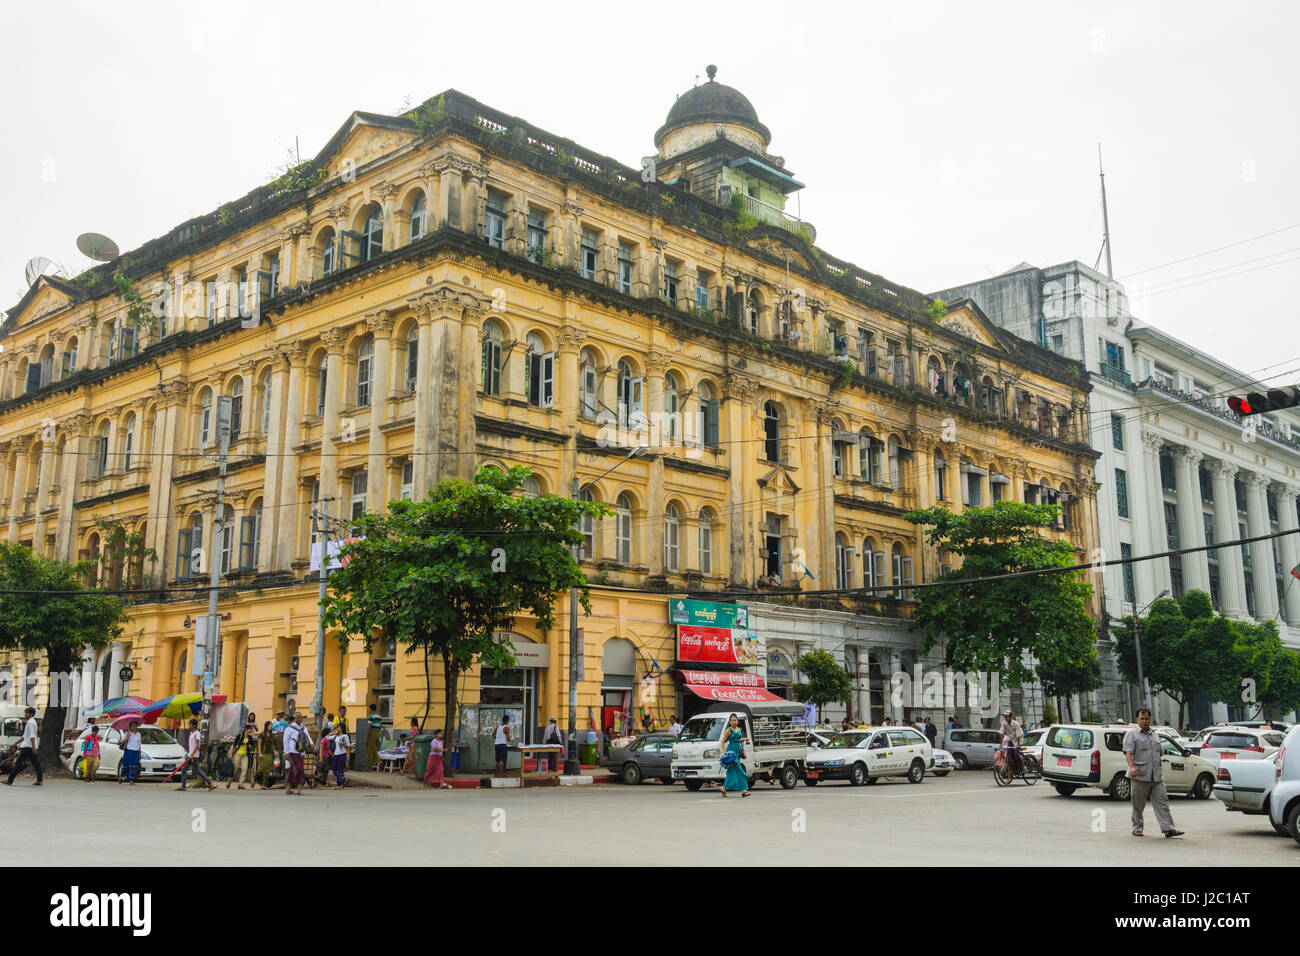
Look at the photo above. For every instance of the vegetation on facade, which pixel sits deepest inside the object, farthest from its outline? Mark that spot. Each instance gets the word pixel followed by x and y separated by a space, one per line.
pixel 123 554
pixel 446 575
pixel 936 310
pixel 428 115
pixel 1188 649
pixel 993 626
pixel 139 311
pixel 46 610
pixel 825 681
pixel 741 221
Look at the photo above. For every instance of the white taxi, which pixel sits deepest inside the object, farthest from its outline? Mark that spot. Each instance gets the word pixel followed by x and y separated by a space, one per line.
pixel 1092 755
pixel 160 754
pixel 866 755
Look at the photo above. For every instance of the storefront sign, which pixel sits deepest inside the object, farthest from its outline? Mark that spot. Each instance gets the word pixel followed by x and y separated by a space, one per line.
pixel 717 645
pixel 708 614
pixel 528 654
pixel 722 678
pixel 736 695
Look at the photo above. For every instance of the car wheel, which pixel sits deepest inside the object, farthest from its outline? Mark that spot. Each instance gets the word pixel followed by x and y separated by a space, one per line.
pixel 942 773
pixel 1204 787
pixel 809 782
pixel 961 761
pixel 858 775
pixel 916 772
pixel 788 777
pixel 1065 789
pixel 631 774
pixel 79 768
pixel 1121 787
pixel 692 785
pixel 753 783
pixel 1293 822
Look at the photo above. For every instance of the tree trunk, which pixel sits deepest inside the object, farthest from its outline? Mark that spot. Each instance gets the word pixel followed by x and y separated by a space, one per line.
pixel 449 686
pixel 428 693
pixel 54 715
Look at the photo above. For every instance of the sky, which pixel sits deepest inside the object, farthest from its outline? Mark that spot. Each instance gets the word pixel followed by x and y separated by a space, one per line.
pixel 940 143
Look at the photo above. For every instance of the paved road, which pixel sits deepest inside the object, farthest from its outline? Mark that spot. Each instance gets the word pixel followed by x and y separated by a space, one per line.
pixel 961 819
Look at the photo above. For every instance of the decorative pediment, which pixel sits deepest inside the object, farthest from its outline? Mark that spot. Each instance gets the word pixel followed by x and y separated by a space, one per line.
pixel 42 298
pixel 363 143
pixel 776 247
pixel 964 321
pixel 778 480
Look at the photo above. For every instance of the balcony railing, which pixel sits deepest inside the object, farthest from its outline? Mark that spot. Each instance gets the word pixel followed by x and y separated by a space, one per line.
pixel 1116 374
pixel 1207 405
pixel 775 217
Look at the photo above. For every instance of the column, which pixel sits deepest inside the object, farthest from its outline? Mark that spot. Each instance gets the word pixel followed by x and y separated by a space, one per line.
pixel 387 194
pixel 1191 526
pixel 43 491
pixel 570 340
pixel 380 325
pixel 74 449
pixel 448 214
pixel 20 446
pixel 1154 525
pixel 329 433
pixel 654 526
pixel 1288 547
pixel 895 667
pixel 423 437
pixel 474 215
pixel 1261 552
pixel 820 542
pixel 463 357
pixel 162 469
pixel 275 464
pixel 1232 575
pixel 286 531
pixel 740 464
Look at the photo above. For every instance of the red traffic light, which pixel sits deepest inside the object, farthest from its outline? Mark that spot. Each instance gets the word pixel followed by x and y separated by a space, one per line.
pixel 1275 398
pixel 1239 405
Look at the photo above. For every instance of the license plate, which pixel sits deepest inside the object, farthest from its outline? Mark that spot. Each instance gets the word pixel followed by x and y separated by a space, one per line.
pixel 169 766
pixel 1227 756
pixel 679 773
pixel 813 774
pixel 1065 761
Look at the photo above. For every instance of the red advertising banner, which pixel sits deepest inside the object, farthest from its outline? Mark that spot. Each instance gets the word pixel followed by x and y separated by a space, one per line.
pixel 712 644
pixel 739 695
pixel 722 679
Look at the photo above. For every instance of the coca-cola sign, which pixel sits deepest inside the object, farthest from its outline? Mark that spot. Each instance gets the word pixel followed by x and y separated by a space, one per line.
pixel 714 645
pixel 722 679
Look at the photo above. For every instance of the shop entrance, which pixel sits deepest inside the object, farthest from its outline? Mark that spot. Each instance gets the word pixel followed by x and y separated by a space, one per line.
pixel 514 690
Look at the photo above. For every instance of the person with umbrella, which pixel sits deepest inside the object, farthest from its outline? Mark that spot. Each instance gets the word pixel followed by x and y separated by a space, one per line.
pixel 130 766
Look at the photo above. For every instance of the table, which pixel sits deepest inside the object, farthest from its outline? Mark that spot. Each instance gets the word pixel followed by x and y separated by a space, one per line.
pixel 542 751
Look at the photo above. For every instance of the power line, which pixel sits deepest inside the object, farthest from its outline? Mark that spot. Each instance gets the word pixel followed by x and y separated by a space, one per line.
pixel 1239 242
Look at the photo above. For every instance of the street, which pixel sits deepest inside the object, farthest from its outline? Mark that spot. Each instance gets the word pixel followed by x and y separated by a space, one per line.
pixel 962 819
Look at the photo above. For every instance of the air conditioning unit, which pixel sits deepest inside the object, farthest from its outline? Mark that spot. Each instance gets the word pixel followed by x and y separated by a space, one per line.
pixel 290 706
pixel 386 707
pixel 293 663
pixel 293 684
pixel 387 674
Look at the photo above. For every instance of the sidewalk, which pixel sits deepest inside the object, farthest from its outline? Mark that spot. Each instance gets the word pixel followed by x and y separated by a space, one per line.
pixel 382 780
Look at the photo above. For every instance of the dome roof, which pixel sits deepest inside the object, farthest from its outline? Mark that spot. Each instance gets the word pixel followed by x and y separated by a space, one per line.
pixel 712 102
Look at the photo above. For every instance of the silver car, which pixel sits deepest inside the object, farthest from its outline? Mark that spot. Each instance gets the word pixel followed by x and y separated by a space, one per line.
pixel 972 747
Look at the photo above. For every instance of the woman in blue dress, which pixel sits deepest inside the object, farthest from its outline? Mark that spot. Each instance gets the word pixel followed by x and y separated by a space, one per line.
pixel 734 738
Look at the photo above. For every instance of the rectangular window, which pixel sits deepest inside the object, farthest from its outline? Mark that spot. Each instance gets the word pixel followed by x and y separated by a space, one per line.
pixel 269 277
pixel 1164 376
pixel 541 380
pixel 408 480
pixel 902 577
pixel 1112 355
pixel 359 481
pixel 210 288
pixel 837 458
pixel 844 567
pixel 1117 432
pixel 706 546
pixel 1168 479
pixel 1126 552
pixel 670 282
pixel 702 291
pixel 496 219
pixel 1058 344
pixel 588 253
pixel 626 267
pixel 995 491
pixel 490 378
pixel 1121 492
pixel 183 549
pixel 1207 484
pixel 248 543
pixel 671 544
pixel 412 363
pixel 537 234
pixel 940 472
pixel 710 408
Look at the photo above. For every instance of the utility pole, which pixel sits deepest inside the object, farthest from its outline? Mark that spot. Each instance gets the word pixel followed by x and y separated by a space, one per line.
pixel 318 695
pixel 212 631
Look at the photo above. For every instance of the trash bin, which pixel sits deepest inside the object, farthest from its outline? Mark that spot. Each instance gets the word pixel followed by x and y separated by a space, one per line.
pixel 588 754
pixel 422 743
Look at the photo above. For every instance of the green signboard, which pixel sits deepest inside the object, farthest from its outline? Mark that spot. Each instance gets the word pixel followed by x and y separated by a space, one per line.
pixel 708 614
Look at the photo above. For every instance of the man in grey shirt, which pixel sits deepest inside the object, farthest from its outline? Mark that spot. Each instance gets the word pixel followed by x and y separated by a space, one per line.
pixel 1142 751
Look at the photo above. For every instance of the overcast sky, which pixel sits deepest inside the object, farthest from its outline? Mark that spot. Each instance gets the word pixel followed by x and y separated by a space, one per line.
pixel 940 143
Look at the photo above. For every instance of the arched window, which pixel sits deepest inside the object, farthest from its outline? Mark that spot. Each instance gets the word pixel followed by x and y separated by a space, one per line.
pixel 372 234
pixel 490 369
pixel 755 310
pixel 869 453
pixel 328 252
pixel 709 415
pixel 897 459
pixel 365 371
pixel 589 384
pixel 531 487
pixel 771 431
pixel 224 534
pixel 843 562
pixel 92 554
pixel 321 385
pixel 101 452
pixel 672 529
pixel 630 394
pixel 588 526
pixel 902 573
pixel 672 410
pixel 873 567
pixel 236 408
pixel 934 377
pixel 417 217
pixel 839 451
pixel 189 545
pixel 623 530
pixel 412 357
pixel 128 442
pixel 706 541
pixel 250 533
pixel 70 358
pixel 539 372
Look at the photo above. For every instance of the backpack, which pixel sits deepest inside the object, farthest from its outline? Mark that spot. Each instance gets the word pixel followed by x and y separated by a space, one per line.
pixel 327 747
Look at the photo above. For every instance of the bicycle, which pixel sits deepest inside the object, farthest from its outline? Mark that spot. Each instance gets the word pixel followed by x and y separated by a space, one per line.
pixel 1012 762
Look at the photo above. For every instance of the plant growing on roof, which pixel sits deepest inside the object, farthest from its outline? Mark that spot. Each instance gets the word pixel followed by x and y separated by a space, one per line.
pixel 428 115
pixel 936 310
pixel 139 311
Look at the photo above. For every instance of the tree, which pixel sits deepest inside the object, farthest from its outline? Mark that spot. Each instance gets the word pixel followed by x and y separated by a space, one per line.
pixel 123 554
pixel 1268 672
pixel 992 625
pixel 1187 649
pixel 444 575
pixel 825 681
pixel 55 615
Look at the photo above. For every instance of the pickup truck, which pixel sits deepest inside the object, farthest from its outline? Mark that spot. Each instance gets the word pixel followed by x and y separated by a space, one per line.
pixel 1245 786
pixel 776 748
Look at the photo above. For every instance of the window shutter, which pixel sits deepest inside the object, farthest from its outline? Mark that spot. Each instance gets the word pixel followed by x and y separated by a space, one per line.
pixel 711 422
pixel 532 380
pixel 183 554
pixel 589 391
pixel 548 380
pixel 247 542
pixel 635 392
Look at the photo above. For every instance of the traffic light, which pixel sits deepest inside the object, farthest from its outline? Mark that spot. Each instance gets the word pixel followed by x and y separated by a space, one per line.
pixel 1254 403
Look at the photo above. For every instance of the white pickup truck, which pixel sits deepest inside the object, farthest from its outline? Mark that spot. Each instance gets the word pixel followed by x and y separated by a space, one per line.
pixel 776 748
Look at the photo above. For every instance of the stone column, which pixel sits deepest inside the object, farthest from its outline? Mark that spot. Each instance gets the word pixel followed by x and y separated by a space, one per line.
pixel 570 235
pixel 1157 540
pixel 75 429
pixel 462 360
pixel 422 479
pixel 819 547
pixel 286 532
pixel 380 325
pixel 20 446
pixel 570 340
pixel 1196 567
pixel 1232 575
pixel 447 168
pixel 162 471
pixel 474 216
pixel 387 194
pixel 654 526
pixel 1261 552
pixel 275 464
pixel 43 483
pixel 1288 547
pixel 329 433
pixel 739 391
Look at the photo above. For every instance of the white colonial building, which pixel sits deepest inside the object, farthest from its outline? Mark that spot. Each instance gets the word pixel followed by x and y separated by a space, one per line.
pixel 1178 469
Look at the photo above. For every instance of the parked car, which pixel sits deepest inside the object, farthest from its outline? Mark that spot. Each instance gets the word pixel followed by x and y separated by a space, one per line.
pixel 650 755
pixel 1092 755
pixel 1240 743
pixel 972 747
pixel 776 748
pixel 864 756
pixel 1033 743
pixel 160 754
pixel 1284 802
pixel 943 764
pixel 12 720
pixel 1246 787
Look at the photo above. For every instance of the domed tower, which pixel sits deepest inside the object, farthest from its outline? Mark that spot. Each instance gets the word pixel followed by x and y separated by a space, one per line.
pixel 713 145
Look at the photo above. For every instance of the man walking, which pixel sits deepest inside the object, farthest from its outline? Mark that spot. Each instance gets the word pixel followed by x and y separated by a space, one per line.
pixel 1146 780
pixel 191 761
pixel 555 737
pixel 27 750
pixel 931 732
pixel 295 740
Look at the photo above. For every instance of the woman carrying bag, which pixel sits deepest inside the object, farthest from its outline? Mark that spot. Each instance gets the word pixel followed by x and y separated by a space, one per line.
pixel 734 738
pixel 266 757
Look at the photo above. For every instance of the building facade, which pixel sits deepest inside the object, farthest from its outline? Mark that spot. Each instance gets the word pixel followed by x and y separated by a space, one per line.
pixel 1178 469
pixel 455 288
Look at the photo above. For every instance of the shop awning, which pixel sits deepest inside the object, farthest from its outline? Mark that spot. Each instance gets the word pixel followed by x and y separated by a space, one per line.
pixel 738 695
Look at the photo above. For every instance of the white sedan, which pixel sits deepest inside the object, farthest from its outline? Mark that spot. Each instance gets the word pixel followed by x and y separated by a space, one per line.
pixel 160 754
pixel 944 764
pixel 1240 743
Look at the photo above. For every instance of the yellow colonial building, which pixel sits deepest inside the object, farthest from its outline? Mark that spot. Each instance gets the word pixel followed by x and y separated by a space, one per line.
pixel 455 287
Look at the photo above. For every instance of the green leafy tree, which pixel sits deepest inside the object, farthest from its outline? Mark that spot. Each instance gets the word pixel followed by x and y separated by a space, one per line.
pixel 45 609
pixel 442 576
pixel 1269 671
pixel 1187 649
pixel 992 625
pixel 825 681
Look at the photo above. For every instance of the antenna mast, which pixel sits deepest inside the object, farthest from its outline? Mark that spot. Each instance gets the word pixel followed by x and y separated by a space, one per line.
pixel 1105 221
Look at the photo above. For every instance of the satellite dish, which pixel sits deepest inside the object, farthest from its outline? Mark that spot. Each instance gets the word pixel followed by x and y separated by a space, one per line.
pixel 97 247
pixel 41 266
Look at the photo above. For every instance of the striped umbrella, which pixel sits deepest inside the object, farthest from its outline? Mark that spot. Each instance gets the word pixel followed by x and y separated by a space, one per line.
pixel 176 707
pixel 125 705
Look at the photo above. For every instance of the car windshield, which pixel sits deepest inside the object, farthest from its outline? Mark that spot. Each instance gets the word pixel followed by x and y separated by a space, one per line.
pixel 155 735
pixel 848 741
pixel 704 728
